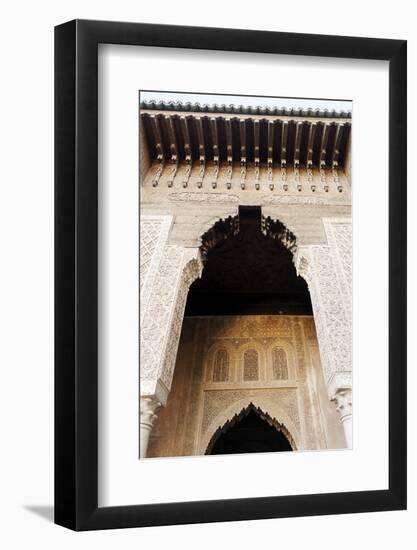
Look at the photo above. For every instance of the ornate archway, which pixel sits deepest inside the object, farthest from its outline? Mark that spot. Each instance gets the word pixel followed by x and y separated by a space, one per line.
pixel 248 258
pixel 227 228
pixel 270 411
pixel 180 266
pixel 251 430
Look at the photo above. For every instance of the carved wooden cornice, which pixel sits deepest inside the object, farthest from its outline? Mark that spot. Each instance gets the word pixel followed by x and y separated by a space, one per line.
pixel 300 153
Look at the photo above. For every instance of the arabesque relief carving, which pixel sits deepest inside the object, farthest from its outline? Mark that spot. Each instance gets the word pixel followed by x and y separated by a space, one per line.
pixel 327 270
pixel 163 317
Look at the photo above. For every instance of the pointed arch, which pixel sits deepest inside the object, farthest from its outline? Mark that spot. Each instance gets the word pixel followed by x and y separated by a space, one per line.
pixel 228 227
pixel 222 230
pixel 271 421
pixel 249 254
pixel 274 412
pixel 275 229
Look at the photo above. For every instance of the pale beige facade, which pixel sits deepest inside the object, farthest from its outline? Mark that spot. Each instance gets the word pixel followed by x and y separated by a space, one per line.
pixel 203 400
pixel 183 196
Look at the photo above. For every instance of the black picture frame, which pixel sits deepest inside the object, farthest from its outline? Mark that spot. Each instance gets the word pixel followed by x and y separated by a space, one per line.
pixel 76 272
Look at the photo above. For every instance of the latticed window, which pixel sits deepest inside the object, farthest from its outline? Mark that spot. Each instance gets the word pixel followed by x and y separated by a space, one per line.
pixel 250 365
pixel 279 364
pixel 221 366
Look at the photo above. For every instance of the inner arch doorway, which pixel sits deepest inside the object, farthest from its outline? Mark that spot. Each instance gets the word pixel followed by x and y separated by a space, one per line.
pixel 248 432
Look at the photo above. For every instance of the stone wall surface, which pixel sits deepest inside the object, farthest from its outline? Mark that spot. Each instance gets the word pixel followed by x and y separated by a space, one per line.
pixel 197 405
pixel 195 210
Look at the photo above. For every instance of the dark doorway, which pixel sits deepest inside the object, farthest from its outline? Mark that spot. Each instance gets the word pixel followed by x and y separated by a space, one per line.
pixel 249 434
pixel 248 270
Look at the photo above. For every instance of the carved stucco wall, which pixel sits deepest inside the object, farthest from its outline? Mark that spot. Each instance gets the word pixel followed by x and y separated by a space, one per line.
pixel 167 270
pixel 166 273
pixel 194 212
pixel 197 406
pixel 171 226
pixel 328 272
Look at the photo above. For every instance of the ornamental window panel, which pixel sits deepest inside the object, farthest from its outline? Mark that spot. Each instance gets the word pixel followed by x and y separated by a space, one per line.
pixel 250 365
pixel 279 364
pixel 221 366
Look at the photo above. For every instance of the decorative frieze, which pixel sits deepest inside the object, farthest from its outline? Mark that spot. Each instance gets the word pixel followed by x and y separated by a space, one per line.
pixel 308 200
pixel 240 179
pixel 249 326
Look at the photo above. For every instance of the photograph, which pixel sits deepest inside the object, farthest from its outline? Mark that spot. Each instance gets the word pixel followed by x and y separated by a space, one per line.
pixel 208 334
pixel 245 274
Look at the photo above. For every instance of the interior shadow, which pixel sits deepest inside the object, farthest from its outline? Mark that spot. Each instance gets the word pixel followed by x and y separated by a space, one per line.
pixel 249 433
pixel 248 270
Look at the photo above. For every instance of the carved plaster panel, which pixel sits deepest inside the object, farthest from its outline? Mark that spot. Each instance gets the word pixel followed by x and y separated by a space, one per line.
pixel 265 346
pixel 154 232
pixel 339 237
pixel 328 272
pixel 162 319
pixel 198 405
pixel 250 326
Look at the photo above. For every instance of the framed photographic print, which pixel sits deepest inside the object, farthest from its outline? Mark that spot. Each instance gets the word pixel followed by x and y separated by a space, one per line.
pixel 230 275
